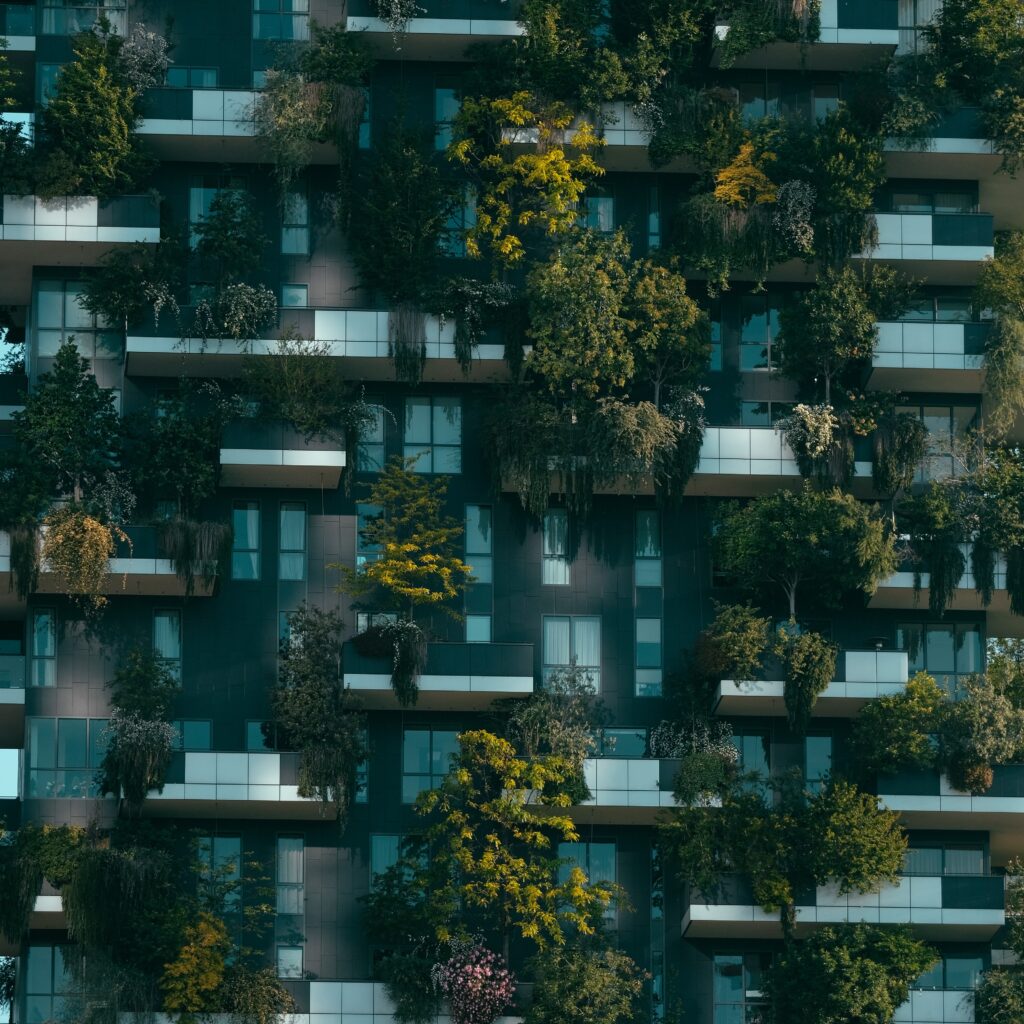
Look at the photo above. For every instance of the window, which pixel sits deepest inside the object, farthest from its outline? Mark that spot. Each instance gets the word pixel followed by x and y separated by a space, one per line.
pixel 596 860
pixel 245 548
pixel 47 979
pixel 433 434
pixel 764 414
pixel 647 599
pixel 933 201
pixel 294 296
pixel 63 755
pixel 46 81
pixel 280 19
pixel 364 620
pixel 555 560
pixel 221 861
pixel 289 961
pixel 480 558
pixel 447 102
pixel 738 987
pixel 648 643
pixel 167 640
pixel 202 195
pixel 365 128
pixel 181 77
pixel 295 225
pixel 954 971
pixel 461 220
pixel 760 327
pixel 598 214
pixel 573 640
pixel 257 735
pixel 653 217
pixel 69 17
pixel 647 549
pixel 817 761
pixel 60 315
pixel 291 559
pixel 290 875
pixel 951 859
pixel 943 650
pixel 44 648
pixel 426 758
pixel 370 453
pixel 945 425
pixel 754 755
pixel 717 353
pixel 193 734
pixel 621 743
pixel 384 853
pixel 365 550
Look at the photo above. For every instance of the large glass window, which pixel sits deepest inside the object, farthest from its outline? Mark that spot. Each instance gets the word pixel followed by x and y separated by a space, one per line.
pixel 460 221
pixel 426 757
pixel 69 17
pixel 384 853
pixel 295 225
pixel 598 214
pixel 555 560
pixel 291 560
pixel 946 651
pixel 817 761
pixel 949 859
pixel 366 551
pixel 647 549
pixel 291 875
pixel 60 316
pixel 947 427
pixel 573 640
pixel 63 755
pixel 193 734
pixel 44 647
pixel 595 860
pixel 738 987
pixel 370 452
pixel 754 755
pixel 760 327
pixel 447 102
pixel 245 547
pixel 433 434
pixel 47 980
pixel 289 962
pixel 201 196
pixel 221 861
pixel 280 19
pixel 167 640
pixel 480 558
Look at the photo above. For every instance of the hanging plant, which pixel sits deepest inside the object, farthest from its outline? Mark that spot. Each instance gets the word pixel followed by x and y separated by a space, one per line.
pixel 1015 578
pixel 137 757
pixel 407 341
pixel 900 442
pixel 808 665
pixel 24 559
pixel 77 548
pixel 936 532
pixel 476 982
pixel 819 443
pixel 195 549
pixel 473 305
pixel 397 14
pixel 405 643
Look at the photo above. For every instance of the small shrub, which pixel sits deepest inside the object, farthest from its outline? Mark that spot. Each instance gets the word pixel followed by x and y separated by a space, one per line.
pixel 809 663
pixel 476 983
pixel 77 547
pixel 733 646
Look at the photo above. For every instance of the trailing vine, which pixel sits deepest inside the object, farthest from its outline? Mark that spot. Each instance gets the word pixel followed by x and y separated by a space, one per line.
pixel 405 644
pixel 809 665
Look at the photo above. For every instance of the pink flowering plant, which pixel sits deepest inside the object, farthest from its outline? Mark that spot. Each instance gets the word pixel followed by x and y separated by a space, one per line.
pixel 475 981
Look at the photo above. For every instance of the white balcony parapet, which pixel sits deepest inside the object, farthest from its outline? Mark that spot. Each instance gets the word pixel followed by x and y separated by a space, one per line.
pixel 831 33
pixel 924 346
pixel 746 451
pixel 904 580
pixel 471 27
pixel 627 783
pixel 280 467
pixel 230 776
pixel 867 675
pixel 495 686
pixel 65 219
pixel 229 113
pixel 950 800
pixel 359 1002
pixel 936 1006
pixel 910 236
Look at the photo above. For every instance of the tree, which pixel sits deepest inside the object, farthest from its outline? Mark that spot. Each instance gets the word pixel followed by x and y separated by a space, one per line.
pixel 522 193
pixel 230 239
pixel 808 665
pixel 836 835
pixel 845 974
pixel 315 713
pixel 416 564
pixel 192 978
pixel 87 126
pixel 823 545
pixel 68 432
pixel 585 986
pixel 999 998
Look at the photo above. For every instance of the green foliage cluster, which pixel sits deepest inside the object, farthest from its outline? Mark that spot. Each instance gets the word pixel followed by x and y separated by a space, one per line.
pixel 315 713
pixel 787 844
pixel 404 644
pixel 851 972
pixel 999 998
pixel 822 545
pixel 733 646
pixel 808 666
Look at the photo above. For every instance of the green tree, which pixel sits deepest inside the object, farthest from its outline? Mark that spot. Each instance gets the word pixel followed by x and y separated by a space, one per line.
pixel 823 545
pixel 87 127
pixel 808 665
pixel 846 974
pixel 785 845
pixel 585 986
pixel 229 239
pixel 417 564
pixel 314 711
pixel 999 998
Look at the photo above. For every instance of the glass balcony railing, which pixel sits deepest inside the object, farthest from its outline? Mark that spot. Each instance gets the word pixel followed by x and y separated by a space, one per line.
pixel 1007 782
pixel 12 671
pixel 17 20
pixel 473 10
pixel 868 14
pixel 453 659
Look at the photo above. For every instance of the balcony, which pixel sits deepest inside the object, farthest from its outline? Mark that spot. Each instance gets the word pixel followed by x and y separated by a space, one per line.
pixel 950 907
pixel 12 700
pixel 937 1006
pixel 357 336
pixel 626 790
pixel 853 32
pixel 443 29
pixel 18 27
pixel 232 785
pixel 958 147
pixel 927 800
pixel 747 461
pixel 863 676
pixel 258 454
pixel 47 915
pixel 457 676
pixel 74 231
pixel 929 356
pixel 945 248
